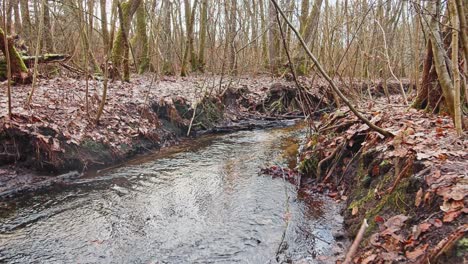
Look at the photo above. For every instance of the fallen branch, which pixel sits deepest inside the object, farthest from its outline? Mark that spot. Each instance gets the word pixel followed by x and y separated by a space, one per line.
pixel 381 131
pixel 447 243
pixel 357 241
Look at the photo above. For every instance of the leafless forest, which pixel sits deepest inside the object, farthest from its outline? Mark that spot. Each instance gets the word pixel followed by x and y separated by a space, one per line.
pixel 381 86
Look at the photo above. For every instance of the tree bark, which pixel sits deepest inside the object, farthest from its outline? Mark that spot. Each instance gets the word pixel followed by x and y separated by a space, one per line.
pixel 48 41
pixel 25 18
pixel 120 53
pixel 381 131
pixel 17 13
pixel 19 72
pixel 203 31
pixel 440 62
pixel 189 47
pixel 104 29
pixel 141 40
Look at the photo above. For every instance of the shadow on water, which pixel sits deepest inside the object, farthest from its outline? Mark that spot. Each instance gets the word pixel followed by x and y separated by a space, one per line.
pixel 202 202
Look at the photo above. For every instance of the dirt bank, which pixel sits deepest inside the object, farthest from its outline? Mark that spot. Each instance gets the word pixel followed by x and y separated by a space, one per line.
pixel 57 133
pixel 411 188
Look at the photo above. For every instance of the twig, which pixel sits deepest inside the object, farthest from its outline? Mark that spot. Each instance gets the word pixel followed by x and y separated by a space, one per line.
pixel 357 241
pixel 191 120
pixel 447 242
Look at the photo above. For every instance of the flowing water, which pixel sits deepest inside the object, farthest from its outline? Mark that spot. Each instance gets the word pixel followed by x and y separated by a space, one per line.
pixel 203 202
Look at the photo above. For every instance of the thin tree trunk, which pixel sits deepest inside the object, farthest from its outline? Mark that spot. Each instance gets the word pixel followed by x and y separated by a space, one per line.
pixel 48 42
pixel 439 57
pixel 329 80
pixel 189 48
pixel 18 26
pixel 119 53
pixel 25 18
pixel 456 73
pixel 104 29
pixel 203 30
pixel 39 36
pixel 142 40
pixel 19 72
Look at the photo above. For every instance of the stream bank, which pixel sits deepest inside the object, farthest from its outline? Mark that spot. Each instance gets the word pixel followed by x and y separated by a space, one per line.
pixel 411 188
pixel 57 132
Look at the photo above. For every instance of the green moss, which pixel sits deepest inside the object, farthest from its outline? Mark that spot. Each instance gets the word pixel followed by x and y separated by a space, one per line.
pixel 462 247
pixel 308 166
pixel 94 146
pixel 385 163
pixel 395 202
pixel 142 39
pixel 119 42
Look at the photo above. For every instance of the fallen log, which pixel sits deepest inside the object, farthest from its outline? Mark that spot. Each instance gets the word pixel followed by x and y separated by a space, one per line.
pixel 28 63
pixel 46 58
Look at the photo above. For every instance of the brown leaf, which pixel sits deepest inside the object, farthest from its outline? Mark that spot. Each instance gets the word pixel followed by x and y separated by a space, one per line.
pixel 376 171
pixel 424 226
pixel 419 194
pixel 437 223
pixel 417 252
pixel 355 210
pixel 451 215
pixel 396 221
pixel 369 259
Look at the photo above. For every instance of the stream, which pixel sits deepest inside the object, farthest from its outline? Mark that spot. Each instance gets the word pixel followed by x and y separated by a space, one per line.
pixel 201 202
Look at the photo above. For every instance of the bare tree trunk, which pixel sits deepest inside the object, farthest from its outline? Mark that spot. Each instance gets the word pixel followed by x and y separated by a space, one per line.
pixel 461 9
pixel 18 26
pixel 25 18
pixel 273 45
pixel 455 71
pixel 309 24
pixel 439 57
pixel 381 131
pixel 48 42
pixel 203 30
pixel 120 47
pixel 141 40
pixel 264 36
pixel 232 36
pixel 189 48
pixel 104 29
pixel 9 14
pixel 19 72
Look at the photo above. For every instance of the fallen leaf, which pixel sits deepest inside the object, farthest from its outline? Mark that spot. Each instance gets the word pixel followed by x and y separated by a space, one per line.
pixel 396 221
pixel 417 252
pixel 369 259
pixel 417 201
pixel 450 216
pixel 424 226
pixel 355 210
pixel 437 223
pixel 379 219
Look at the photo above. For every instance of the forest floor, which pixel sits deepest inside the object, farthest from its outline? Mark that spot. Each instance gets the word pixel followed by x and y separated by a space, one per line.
pixel 411 189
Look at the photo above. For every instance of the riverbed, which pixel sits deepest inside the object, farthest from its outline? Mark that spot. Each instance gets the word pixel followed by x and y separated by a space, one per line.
pixel 202 202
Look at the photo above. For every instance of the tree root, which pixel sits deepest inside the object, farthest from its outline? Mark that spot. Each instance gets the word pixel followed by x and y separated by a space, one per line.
pixel 326 159
pixel 403 172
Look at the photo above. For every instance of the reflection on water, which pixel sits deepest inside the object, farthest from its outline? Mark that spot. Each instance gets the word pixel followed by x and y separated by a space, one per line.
pixel 204 204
